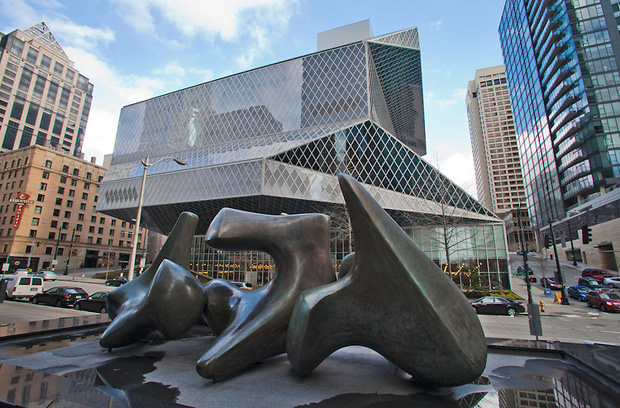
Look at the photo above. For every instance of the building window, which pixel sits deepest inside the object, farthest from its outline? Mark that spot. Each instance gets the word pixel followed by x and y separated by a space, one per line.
pixel 48 250
pixel 91 229
pixel 86 186
pixel 100 230
pixel 83 206
pixel 78 227
pixel 35 221
pixel 43 186
pixel 69 203
pixel 63 179
pixel 98 241
pixel 33 234
pixel 51 235
pixel 88 175
pixel 65 169
pixel 54 224
pixel 61 251
pixel 46 175
pixel 61 190
pixel 76 172
pixel 110 242
pixel 101 220
pixel 67 214
pixel 84 196
pixel 65 225
pixel 73 182
pixel 59 201
pixel 48 164
pixel 93 218
pixel 41 198
pixel 120 244
pixel 63 237
pixel 123 224
pixel 56 212
pixel 112 232
pixel 89 240
pixel 37 209
pixel 80 217
pixel 113 222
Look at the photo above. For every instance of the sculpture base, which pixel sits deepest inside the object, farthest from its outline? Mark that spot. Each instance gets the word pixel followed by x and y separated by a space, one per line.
pixel 71 368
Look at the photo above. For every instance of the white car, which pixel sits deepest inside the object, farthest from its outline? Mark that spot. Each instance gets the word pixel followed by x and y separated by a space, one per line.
pixel 613 282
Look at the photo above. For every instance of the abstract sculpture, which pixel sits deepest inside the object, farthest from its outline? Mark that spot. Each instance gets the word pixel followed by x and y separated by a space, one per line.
pixel 394 300
pixel 253 324
pixel 390 297
pixel 138 308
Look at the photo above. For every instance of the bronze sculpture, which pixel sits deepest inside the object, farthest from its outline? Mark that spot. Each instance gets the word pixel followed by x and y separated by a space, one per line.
pixel 390 297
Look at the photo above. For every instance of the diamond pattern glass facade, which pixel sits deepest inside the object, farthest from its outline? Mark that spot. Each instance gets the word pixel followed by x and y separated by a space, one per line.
pixel 272 140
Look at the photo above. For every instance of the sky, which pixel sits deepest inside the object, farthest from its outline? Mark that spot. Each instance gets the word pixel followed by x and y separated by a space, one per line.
pixel 132 50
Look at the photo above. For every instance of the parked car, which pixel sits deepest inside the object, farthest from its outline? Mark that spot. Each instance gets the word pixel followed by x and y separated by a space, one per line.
pixel 521 271
pixel 591 283
pixel 60 296
pixel 46 275
pixel 578 292
pixel 497 305
pixel 22 286
pixel 118 281
pixel 613 282
pixel 598 274
pixel 606 301
pixel 97 302
pixel 243 285
pixel 21 272
pixel 550 283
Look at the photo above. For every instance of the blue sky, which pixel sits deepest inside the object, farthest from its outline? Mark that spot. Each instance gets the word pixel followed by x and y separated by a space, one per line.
pixel 132 50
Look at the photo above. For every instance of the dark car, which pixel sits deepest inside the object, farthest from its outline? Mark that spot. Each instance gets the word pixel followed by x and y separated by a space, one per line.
pixel 118 281
pixel 606 301
pixel 550 283
pixel 60 296
pixel 521 271
pixel 578 292
pixel 97 302
pixel 498 305
pixel 591 283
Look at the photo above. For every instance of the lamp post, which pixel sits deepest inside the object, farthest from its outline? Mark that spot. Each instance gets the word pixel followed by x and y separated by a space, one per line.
pixel 559 277
pixel 66 272
pixel 570 232
pixel 146 164
pixel 59 228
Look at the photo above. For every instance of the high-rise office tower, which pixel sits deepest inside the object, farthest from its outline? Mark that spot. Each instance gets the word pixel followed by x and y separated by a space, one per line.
pixel 44 100
pixel 494 145
pixel 561 59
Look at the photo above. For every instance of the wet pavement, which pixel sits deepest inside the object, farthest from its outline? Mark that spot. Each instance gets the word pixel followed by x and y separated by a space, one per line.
pixel 66 368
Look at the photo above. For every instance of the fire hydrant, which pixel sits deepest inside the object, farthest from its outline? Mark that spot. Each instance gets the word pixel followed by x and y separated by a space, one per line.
pixel 542 305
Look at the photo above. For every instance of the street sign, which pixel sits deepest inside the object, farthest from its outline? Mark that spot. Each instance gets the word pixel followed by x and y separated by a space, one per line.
pixel 5 267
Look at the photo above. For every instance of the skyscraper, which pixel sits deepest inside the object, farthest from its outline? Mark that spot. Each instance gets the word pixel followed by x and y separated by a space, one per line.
pixel 561 59
pixel 496 156
pixel 44 100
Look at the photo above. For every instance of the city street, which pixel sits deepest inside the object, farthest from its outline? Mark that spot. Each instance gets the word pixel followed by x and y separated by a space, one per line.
pixel 571 323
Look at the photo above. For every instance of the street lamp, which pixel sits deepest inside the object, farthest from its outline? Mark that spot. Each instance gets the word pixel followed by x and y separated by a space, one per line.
pixel 559 277
pixel 146 164
pixel 69 257
pixel 59 227
pixel 570 233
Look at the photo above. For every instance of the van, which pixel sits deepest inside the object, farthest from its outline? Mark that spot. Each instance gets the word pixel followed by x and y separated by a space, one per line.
pixel 20 286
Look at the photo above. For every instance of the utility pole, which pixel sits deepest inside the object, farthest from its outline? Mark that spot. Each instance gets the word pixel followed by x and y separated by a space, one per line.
pixel 533 311
pixel 69 257
pixel 559 277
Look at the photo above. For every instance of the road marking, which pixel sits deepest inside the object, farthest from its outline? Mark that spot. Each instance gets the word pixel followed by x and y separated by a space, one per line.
pixel 607 331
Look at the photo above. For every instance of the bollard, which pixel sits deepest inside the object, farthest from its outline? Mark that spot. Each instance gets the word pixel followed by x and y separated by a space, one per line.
pixel 542 305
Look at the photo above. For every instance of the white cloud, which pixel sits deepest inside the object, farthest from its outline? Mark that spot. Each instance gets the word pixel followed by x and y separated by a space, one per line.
pixel 457 166
pixel 252 24
pixel 173 68
pixel 71 34
pixel 436 25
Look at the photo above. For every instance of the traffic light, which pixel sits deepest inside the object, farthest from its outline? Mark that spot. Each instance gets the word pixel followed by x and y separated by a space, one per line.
pixel 586 234
pixel 529 279
pixel 548 241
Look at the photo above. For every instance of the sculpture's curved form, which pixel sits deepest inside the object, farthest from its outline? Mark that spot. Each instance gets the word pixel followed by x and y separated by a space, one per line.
pixel 126 304
pixel 394 300
pixel 253 324
pixel 172 304
pixel 177 249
